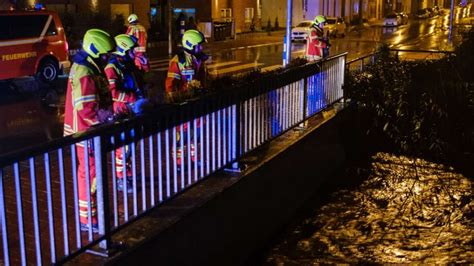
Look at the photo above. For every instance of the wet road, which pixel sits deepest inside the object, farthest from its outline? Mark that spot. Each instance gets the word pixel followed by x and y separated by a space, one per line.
pixel 32 112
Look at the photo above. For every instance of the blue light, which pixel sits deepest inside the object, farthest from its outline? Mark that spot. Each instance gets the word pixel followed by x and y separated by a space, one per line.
pixel 39 6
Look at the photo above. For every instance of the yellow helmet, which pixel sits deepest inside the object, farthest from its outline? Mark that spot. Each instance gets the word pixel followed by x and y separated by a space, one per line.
pixel 97 42
pixel 320 19
pixel 124 43
pixel 132 18
pixel 192 38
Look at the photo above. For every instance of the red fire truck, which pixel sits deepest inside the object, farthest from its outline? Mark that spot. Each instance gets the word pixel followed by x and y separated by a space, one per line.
pixel 32 43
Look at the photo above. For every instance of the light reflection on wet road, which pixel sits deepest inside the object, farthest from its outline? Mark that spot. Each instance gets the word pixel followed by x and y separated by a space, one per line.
pixel 24 116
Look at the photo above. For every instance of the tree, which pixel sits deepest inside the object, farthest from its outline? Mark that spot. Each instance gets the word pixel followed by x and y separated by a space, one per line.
pixel 269 26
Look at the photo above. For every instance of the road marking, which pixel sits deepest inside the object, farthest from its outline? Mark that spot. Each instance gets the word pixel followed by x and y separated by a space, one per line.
pixel 222 64
pixel 253 46
pixel 234 68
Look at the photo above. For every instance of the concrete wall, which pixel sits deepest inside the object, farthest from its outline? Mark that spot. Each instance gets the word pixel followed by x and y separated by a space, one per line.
pixel 242 218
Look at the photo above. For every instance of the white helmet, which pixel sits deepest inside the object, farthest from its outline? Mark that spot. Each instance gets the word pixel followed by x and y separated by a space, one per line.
pixel 132 18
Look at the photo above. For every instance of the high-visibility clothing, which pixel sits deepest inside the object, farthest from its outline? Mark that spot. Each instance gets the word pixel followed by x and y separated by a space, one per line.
pixel 123 88
pixel 84 96
pixel 119 74
pixel 141 59
pixel 183 68
pixel 82 185
pixel 139 32
pixel 315 45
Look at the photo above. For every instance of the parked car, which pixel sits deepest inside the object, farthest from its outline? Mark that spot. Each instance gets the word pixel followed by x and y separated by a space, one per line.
pixel 422 13
pixel 32 43
pixel 403 17
pixel 335 26
pixel 392 19
pixel 300 32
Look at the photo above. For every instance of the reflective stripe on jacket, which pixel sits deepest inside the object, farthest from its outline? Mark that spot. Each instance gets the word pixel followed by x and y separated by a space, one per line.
pixel 314 44
pixel 120 96
pixel 82 97
pixel 182 69
pixel 139 32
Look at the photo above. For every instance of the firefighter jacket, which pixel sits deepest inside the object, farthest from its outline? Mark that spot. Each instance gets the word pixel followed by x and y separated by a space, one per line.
pixel 86 93
pixel 183 68
pixel 315 44
pixel 139 32
pixel 122 83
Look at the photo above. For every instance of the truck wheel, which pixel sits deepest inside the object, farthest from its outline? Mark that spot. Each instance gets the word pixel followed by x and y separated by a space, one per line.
pixel 48 71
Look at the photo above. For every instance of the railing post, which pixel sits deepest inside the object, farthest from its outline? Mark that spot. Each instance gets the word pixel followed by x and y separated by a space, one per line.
pixel 3 222
pixel 237 137
pixel 346 69
pixel 102 194
pixel 305 103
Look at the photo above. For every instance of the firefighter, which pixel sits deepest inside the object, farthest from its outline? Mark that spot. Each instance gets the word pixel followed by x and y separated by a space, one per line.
pixel 316 43
pixel 188 66
pixel 186 70
pixel 86 89
pixel 137 30
pixel 126 93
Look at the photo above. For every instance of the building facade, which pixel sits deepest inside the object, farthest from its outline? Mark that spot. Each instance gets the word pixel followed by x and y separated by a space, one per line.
pixel 247 15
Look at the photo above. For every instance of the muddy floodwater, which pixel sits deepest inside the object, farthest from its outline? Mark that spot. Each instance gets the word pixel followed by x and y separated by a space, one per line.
pixel 406 211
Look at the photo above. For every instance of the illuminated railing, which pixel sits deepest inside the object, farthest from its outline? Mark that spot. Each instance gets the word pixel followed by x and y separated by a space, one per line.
pixel 168 151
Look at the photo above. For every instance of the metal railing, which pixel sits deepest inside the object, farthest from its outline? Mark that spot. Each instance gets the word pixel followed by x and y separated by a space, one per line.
pixel 167 151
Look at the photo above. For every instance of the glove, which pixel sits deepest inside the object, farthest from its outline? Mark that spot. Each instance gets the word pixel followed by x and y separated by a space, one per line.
pixel 104 115
pixel 139 106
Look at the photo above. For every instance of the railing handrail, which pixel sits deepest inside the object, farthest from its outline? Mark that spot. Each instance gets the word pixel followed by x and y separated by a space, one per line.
pixel 432 51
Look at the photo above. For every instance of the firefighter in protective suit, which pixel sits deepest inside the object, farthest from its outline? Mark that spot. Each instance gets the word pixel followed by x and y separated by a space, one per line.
pixel 126 96
pixel 186 70
pixel 188 65
pixel 317 44
pixel 86 91
pixel 138 31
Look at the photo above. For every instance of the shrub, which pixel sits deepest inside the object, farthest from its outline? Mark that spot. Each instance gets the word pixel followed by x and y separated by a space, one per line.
pixel 414 114
pixel 269 25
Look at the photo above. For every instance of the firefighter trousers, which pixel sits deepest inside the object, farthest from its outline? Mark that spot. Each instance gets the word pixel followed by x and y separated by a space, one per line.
pixel 82 185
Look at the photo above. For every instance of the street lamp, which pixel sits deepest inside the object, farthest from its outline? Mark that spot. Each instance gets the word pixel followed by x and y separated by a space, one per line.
pixel 170 28
pixel 287 42
pixel 451 17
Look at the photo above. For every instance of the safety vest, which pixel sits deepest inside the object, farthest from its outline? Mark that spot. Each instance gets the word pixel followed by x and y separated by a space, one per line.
pixel 139 32
pixel 86 89
pixel 314 44
pixel 183 68
pixel 122 84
